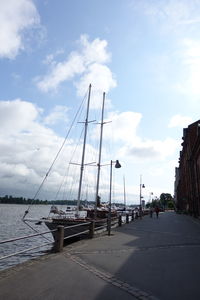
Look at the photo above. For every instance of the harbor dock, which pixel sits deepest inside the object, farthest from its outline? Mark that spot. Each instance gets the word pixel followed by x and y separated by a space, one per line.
pixel 147 259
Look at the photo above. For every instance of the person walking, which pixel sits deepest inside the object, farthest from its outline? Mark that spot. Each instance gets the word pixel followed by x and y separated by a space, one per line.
pixel 157 211
pixel 151 212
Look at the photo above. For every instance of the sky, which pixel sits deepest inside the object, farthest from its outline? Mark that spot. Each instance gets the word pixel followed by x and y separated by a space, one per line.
pixel 145 55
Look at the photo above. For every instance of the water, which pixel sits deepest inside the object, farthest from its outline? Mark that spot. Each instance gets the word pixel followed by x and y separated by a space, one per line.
pixel 11 226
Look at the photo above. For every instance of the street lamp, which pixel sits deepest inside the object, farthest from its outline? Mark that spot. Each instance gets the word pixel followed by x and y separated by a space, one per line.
pixel 117 165
pixel 150 197
pixel 141 186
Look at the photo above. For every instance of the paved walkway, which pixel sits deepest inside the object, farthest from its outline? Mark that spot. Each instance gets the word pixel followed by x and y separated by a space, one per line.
pixel 146 259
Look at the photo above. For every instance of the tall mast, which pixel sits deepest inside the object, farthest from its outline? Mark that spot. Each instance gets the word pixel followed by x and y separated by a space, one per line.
pixel 83 151
pixel 99 161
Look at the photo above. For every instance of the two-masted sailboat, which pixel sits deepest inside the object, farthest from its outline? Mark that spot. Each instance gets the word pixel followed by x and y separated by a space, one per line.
pixel 72 219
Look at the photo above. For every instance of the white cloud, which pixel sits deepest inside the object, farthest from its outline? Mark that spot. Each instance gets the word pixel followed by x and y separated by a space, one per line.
pixel 59 113
pixel 28 148
pixel 61 72
pixel 179 121
pixel 171 15
pixel 50 58
pixel 15 18
pixel 21 132
pixel 149 149
pixel 190 68
pixel 102 81
pixel 16 115
pixel 179 65
pixel 123 130
pixel 123 126
pixel 88 65
pixel 94 52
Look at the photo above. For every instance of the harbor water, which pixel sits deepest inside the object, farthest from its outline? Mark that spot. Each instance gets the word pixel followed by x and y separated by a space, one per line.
pixel 12 226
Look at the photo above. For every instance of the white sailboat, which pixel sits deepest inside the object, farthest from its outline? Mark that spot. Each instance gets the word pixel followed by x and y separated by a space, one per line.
pixel 71 218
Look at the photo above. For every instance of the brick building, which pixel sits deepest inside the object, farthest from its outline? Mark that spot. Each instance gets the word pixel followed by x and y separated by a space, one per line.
pixel 187 177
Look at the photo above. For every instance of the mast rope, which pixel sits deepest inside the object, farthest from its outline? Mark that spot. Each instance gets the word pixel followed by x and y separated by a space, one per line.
pixel 67 171
pixel 44 179
pixel 37 231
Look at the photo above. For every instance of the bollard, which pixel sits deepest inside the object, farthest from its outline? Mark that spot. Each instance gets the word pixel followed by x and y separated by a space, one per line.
pixel 132 216
pixel 109 226
pixel 120 221
pixel 59 239
pixel 91 229
pixel 127 218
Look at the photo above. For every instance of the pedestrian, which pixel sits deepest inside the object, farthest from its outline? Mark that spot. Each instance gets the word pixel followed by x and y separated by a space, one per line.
pixel 157 211
pixel 151 212
pixel 136 213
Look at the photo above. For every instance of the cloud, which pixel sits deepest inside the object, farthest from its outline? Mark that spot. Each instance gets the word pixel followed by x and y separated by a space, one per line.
pixel 143 151
pixel 102 81
pixel 123 126
pixel 177 68
pixel 84 66
pixel 179 121
pixel 16 115
pixel 171 15
pixel 94 52
pixel 189 55
pixel 149 149
pixel 15 18
pixel 123 131
pixel 28 147
pixel 61 72
pixel 59 113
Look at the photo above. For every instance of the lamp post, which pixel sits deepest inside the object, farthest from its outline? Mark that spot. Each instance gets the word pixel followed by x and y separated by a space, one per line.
pixel 141 186
pixel 117 165
pixel 150 197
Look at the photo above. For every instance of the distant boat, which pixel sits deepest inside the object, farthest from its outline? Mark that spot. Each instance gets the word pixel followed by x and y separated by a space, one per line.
pixel 79 215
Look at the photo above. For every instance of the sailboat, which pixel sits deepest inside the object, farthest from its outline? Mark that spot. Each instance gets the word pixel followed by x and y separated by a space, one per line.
pixel 76 220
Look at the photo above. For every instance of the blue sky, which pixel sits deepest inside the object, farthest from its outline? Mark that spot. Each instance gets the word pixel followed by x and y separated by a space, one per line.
pixel 144 54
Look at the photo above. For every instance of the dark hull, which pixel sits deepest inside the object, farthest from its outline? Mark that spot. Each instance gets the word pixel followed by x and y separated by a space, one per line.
pixel 73 229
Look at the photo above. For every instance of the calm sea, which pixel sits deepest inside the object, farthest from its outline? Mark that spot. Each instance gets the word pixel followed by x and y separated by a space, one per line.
pixel 11 226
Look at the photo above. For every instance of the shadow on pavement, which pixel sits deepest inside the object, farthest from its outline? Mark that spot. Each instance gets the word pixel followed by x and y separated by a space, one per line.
pixel 158 256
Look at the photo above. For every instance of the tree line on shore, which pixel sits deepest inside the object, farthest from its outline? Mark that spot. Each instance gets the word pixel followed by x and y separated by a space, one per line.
pixel 165 201
pixel 21 200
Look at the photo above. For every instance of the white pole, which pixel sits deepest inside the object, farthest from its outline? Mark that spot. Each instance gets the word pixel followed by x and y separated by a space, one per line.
pixel 140 196
pixel 99 161
pixel 109 213
pixel 124 194
pixel 83 151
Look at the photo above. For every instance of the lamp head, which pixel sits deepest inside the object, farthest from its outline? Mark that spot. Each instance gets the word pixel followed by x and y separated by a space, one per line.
pixel 117 165
pixel 143 186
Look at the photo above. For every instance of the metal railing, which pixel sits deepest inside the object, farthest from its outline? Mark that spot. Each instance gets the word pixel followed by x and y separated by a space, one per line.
pixel 59 233
pixel 26 237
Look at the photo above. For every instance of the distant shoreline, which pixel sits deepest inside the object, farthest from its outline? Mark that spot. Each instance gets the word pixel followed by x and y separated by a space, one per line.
pixel 20 200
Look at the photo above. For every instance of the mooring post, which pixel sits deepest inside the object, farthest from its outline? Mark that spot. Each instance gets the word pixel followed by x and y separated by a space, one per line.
pixel 109 225
pixel 120 220
pixel 59 240
pixel 127 218
pixel 91 229
pixel 132 216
